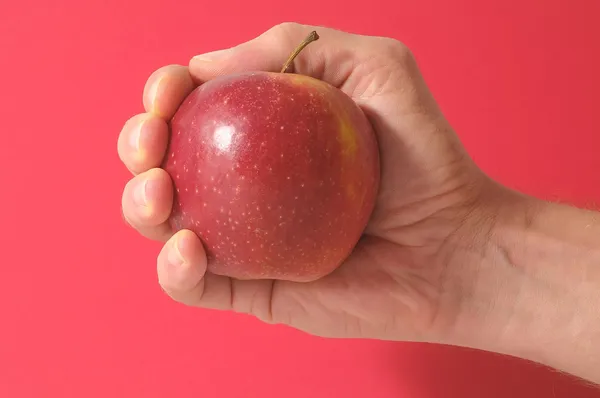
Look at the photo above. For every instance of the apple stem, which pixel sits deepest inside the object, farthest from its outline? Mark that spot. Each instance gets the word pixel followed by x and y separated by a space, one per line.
pixel 313 36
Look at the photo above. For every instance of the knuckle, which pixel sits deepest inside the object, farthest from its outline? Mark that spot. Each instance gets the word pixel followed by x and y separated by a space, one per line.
pixel 395 49
pixel 287 27
pixel 287 33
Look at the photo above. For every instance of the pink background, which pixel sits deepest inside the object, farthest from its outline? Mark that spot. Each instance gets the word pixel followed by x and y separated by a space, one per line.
pixel 81 313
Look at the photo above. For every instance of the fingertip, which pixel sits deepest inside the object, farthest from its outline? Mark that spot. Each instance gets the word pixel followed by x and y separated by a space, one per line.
pixel 165 89
pixel 148 198
pixel 181 263
pixel 249 56
pixel 142 142
pixel 189 247
pixel 204 67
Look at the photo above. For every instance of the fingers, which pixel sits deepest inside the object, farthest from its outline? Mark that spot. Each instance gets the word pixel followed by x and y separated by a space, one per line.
pixel 181 268
pixel 144 138
pixel 331 58
pixel 143 142
pixel 165 89
pixel 146 203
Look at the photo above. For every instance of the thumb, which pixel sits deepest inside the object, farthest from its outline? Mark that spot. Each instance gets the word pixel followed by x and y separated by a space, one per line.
pixel 329 58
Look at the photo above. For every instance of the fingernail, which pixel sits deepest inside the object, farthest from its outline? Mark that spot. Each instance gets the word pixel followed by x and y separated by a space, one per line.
pixel 212 56
pixel 174 256
pixel 139 193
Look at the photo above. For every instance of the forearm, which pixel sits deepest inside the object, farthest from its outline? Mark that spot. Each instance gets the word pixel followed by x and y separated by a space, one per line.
pixel 549 255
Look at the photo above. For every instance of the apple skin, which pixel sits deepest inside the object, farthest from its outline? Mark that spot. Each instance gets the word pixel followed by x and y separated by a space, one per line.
pixel 276 173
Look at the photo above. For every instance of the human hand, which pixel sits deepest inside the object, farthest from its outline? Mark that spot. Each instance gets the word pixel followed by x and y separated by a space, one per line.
pixel 408 278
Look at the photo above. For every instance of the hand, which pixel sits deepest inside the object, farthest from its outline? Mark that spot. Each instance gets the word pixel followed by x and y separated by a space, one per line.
pixel 407 279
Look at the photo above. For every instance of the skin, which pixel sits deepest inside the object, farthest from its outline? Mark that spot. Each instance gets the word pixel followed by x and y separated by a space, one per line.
pixel 448 256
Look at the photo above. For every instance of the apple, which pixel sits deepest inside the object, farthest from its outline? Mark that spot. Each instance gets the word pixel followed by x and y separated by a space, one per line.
pixel 277 173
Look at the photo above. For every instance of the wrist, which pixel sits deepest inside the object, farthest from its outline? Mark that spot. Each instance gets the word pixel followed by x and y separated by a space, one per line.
pixel 556 317
pixel 537 284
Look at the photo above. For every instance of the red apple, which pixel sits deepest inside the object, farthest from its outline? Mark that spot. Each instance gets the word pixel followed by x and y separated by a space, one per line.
pixel 277 173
